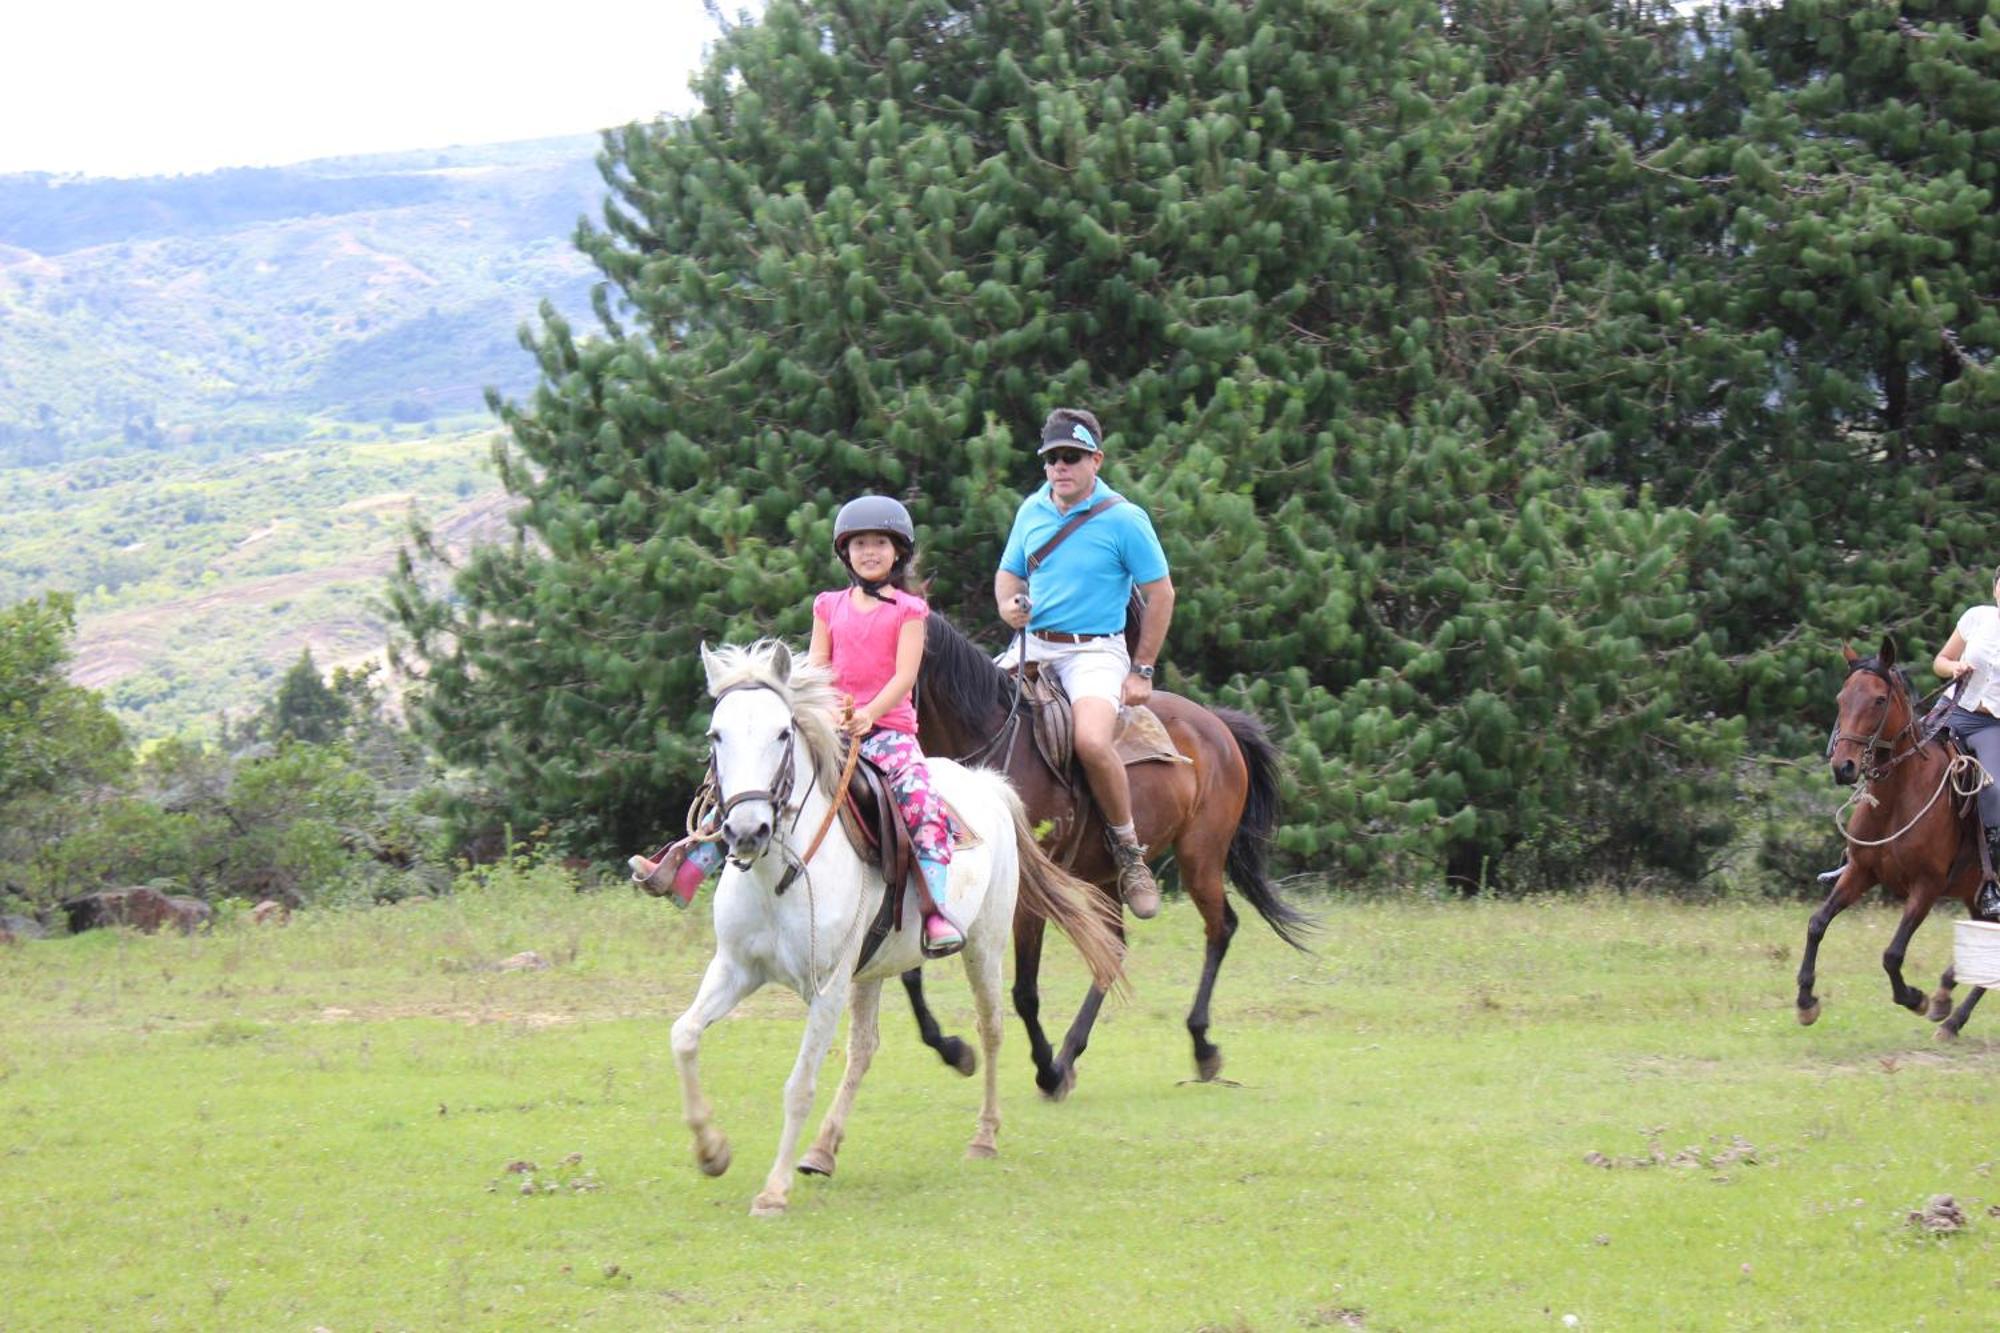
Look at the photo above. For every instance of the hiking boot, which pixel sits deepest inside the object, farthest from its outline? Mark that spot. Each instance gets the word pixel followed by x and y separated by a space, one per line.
pixel 1135 883
pixel 1986 903
pixel 941 938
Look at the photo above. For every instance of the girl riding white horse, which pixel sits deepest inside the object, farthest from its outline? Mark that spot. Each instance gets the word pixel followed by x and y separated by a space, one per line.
pixel 777 758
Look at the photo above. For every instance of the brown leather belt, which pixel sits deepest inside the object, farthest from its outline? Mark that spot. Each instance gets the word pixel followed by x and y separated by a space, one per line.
pixel 1064 636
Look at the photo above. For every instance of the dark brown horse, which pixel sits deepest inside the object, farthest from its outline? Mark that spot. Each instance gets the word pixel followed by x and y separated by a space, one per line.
pixel 1217 814
pixel 1913 832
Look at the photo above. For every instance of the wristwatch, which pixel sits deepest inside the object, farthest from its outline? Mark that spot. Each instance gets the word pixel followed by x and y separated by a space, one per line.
pixel 1142 672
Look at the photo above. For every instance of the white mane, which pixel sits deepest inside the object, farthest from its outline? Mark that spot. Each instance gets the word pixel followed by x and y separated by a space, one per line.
pixel 808 691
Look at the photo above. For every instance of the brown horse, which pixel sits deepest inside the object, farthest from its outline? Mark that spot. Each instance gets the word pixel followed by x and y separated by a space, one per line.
pixel 1909 833
pixel 1217 814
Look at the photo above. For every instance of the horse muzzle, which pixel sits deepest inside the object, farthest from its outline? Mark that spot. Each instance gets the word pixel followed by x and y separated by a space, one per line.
pixel 748 836
pixel 1845 771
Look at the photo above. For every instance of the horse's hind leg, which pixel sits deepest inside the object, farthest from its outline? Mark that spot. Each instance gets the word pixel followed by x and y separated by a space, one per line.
pixel 951 1050
pixel 863 1037
pixel 1850 886
pixel 1202 873
pixel 723 986
pixel 1940 1006
pixel 982 969
pixel 1956 1022
pixel 822 1017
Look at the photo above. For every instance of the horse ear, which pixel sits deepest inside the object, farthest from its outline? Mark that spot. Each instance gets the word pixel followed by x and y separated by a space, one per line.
pixel 1887 656
pixel 781 660
pixel 709 666
pixel 1846 651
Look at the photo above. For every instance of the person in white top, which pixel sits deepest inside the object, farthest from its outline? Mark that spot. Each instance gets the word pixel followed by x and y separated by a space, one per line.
pixel 1972 658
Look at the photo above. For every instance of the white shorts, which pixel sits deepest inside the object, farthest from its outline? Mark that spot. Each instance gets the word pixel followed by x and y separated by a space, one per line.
pixel 1093 669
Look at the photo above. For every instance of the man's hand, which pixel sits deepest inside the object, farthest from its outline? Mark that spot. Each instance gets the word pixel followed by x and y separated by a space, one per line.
pixel 1015 611
pixel 1137 690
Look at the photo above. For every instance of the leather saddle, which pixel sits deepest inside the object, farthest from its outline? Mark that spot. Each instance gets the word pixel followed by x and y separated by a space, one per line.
pixel 1140 738
pixel 874 825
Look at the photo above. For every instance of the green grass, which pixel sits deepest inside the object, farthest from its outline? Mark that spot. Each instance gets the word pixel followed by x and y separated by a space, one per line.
pixel 311 1126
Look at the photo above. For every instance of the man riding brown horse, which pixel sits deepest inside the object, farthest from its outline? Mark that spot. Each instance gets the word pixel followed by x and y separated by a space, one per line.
pixel 1075 554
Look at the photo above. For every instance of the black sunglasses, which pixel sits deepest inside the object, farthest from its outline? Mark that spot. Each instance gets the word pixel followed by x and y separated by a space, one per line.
pixel 1070 456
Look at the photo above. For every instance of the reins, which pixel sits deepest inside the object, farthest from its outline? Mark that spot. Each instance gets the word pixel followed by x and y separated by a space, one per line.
pixel 780 793
pixel 1870 773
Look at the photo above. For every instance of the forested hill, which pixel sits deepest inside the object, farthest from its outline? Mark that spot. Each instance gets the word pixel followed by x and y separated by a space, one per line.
pixel 232 307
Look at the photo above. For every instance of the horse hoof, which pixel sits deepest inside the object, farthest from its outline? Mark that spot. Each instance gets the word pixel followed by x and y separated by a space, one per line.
pixel 980 1151
pixel 1808 1014
pixel 816 1162
pixel 1940 1008
pixel 1208 1066
pixel 713 1160
pixel 767 1205
pixel 1945 1034
pixel 1060 1089
pixel 964 1059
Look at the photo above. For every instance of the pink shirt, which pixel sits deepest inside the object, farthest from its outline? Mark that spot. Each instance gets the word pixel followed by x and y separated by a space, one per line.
pixel 861 647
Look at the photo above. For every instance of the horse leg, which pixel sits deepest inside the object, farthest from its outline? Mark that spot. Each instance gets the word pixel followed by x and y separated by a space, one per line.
pixel 1076 1041
pixel 1208 1057
pixel 863 1037
pixel 1956 1022
pixel 723 987
pixel 1940 1006
pixel 822 1017
pixel 951 1050
pixel 1914 912
pixel 982 969
pixel 1028 997
pixel 1851 885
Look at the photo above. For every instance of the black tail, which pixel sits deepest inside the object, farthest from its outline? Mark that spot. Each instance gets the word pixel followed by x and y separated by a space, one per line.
pixel 1249 850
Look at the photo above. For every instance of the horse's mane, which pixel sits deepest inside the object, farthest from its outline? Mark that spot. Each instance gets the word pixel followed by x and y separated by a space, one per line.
pixel 957 675
pixel 809 692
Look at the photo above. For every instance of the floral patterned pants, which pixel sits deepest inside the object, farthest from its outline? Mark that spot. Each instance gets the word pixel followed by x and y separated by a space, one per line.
pixel 896 754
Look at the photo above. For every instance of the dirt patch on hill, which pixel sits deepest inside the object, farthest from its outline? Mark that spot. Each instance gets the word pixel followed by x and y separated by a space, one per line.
pixel 116 645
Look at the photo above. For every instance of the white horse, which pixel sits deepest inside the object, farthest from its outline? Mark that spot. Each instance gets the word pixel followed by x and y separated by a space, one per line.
pixel 777 756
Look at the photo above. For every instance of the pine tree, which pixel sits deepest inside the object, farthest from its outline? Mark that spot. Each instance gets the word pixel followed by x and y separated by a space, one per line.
pixel 1521 392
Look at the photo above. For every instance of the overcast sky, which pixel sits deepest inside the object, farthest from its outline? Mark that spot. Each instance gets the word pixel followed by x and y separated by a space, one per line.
pixel 124 88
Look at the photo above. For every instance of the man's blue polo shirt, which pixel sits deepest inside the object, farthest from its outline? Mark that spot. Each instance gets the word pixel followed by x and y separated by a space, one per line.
pixel 1083 586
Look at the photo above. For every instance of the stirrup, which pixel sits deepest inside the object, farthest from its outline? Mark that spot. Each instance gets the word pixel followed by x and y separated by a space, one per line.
pixel 1986 902
pixel 945 945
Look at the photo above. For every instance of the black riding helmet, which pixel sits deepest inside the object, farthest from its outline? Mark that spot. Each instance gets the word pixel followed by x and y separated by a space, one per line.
pixel 874 513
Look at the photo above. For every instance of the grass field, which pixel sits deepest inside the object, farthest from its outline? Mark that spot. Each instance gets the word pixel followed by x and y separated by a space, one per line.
pixel 311 1127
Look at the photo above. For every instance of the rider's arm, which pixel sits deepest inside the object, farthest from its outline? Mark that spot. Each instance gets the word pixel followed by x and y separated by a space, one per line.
pixel 1006 587
pixel 1159 595
pixel 909 656
pixel 1951 663
pixel 821 650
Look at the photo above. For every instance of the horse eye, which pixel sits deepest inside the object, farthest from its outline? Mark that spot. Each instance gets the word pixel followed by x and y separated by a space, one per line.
pixel 785 736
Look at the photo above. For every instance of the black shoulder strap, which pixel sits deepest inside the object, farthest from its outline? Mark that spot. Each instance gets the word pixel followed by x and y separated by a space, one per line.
pixel 1076 521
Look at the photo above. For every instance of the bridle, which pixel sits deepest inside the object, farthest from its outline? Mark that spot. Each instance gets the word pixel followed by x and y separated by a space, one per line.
pixel 1872 742
pixel 778 792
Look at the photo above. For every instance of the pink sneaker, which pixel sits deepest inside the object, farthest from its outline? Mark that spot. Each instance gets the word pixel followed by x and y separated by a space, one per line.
pixel 941 938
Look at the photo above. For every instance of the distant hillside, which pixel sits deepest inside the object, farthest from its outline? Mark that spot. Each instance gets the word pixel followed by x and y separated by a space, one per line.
pixel 241 307
pixel 198 582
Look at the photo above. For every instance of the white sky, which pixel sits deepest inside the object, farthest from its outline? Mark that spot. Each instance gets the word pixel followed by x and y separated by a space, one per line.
pixel 141 87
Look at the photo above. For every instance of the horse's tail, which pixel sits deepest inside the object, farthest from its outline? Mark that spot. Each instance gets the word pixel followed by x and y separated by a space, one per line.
pixel 1249 850
pixel 1089 918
